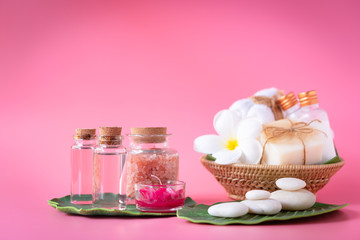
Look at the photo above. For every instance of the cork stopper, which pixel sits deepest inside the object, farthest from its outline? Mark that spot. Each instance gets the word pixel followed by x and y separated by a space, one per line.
pixel 85 133
pixel 110 131
pixel 110 135
pixel 149 134
pixel 287 101
pixel 308 98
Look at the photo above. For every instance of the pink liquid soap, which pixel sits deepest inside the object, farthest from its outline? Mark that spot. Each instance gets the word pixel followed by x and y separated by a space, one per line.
pixel 162 199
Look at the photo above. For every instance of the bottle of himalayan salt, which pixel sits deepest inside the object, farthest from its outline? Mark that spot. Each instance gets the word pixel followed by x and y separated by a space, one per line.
pixel 290 105
pixel 109 186
pixel 150 158
pixel 82 166
pixel 309 111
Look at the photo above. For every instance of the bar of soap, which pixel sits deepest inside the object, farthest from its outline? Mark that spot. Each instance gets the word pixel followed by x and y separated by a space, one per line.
pixel 328 137
pixel 290 184
pixel 289 150
pixel 263 207
pixel 294 200
pixel 230 209
pixel 257 195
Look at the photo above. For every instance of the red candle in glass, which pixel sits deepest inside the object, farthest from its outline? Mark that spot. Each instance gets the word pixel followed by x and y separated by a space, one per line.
pixel 164 197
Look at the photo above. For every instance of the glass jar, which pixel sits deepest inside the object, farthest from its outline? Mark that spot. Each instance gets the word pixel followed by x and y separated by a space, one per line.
pixel 109 186
pixel 82 166
pixel 150 156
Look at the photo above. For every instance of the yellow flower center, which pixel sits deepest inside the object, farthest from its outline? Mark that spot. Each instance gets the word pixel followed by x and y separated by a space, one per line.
pixel 231 144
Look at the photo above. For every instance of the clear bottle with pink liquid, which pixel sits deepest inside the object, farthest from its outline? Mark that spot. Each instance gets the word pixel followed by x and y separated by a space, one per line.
pixel 109 180
pixel 82 166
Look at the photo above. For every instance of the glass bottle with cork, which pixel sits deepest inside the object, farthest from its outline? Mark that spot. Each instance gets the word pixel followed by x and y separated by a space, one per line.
pixel 150 159
pixel 109 186
pixel 82 166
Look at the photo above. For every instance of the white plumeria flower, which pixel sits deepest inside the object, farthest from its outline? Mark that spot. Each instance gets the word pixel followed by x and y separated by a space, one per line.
pixel 236 141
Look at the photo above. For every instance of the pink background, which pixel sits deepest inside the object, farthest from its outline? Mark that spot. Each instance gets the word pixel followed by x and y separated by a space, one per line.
pixel 72 64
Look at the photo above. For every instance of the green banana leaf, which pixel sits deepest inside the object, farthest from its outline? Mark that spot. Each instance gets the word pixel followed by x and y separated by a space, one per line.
pixel 64 205
pixel 199 214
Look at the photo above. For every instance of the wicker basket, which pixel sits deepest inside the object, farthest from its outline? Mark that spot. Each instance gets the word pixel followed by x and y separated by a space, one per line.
pixel 237 178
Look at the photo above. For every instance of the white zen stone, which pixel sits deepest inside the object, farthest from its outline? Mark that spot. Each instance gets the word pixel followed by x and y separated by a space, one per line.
pixel 263 207
pixel 257 195
pixel 294 200
pixel 290 184
pixel 230 209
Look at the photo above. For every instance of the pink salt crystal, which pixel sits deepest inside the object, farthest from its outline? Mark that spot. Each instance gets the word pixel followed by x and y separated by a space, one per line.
pixel 140 167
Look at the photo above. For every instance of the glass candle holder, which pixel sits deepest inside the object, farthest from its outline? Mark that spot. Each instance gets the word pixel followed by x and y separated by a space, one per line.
pixel 165 197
